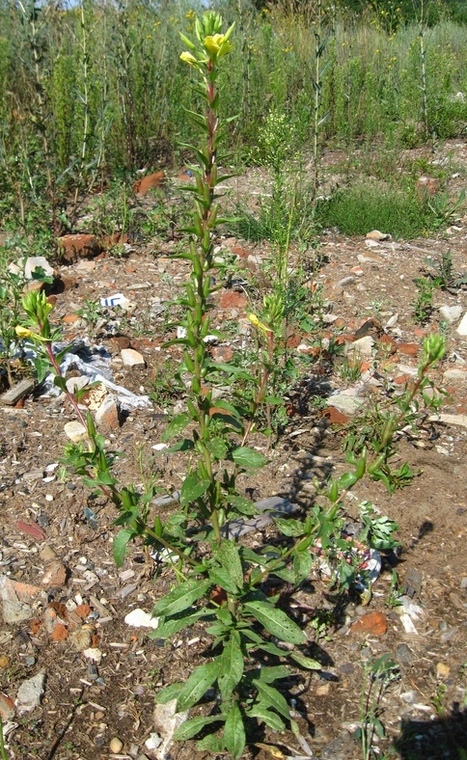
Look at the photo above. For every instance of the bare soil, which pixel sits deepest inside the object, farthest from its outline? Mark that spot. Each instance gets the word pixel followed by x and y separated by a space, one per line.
pixel 84 704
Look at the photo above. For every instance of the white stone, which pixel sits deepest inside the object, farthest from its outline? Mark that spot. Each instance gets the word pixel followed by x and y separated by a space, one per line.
pixel 450 419
pixel 451 313
pixel 94 654
pixel 462 327
pixel 363 348
pixel 132 358
pixel 75 431
pixel 345 404
pixel 138 618
pixel 30 692
pixel 455 374
pixel 377 235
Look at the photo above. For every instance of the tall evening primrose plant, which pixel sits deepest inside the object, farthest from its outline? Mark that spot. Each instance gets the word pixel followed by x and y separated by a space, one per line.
pixel 226 588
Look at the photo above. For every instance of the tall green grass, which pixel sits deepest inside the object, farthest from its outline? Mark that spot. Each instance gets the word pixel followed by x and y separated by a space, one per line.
pixel 96 91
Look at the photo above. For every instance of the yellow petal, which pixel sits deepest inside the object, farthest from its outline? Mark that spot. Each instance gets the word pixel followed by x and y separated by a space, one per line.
pixel 23 332
pixel 188 58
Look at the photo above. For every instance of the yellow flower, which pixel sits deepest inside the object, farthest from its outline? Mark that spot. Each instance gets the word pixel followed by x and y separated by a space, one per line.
pixel 217 44
pixel 253 319
pixel 23 332
pixel 188 58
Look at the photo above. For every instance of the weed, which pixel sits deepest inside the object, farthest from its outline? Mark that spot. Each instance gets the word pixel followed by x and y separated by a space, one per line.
pixel 438 700
pixel 91 311
pixel 423 306
pixel 350 368
pixel 379 675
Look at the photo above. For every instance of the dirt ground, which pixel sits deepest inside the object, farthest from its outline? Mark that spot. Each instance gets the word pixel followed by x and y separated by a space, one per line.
pixel 58 538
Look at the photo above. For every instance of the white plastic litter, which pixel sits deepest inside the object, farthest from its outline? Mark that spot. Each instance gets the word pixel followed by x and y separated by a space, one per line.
pixel 116 300
pixel 93 363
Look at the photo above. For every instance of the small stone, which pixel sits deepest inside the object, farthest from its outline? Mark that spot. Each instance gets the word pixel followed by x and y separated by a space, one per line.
pixel 107 416
pixel 450 419
pixel 403 654
pixel 451 313
pixel 348 405
pixel 442 670
pixel 94 654
pixel 462 327
pixel 75 431
pixel 16 599
pixel 455 375
pixel 362 348
pixel 344 281
pixel 55 575
pixel 116 745
pixel 7 708
pixel 47 554
pixel 30 692
pixel 78 246
pixel 132 358
pixel 377 235
pixel 4 661
pixel 323 689
pixel 374 623
pixel 140 619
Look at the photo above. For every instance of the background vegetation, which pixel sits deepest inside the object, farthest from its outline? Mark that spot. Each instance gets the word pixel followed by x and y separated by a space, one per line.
pixel 97 90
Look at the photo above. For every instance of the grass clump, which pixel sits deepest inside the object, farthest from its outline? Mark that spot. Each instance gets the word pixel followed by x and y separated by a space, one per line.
pixel 369 205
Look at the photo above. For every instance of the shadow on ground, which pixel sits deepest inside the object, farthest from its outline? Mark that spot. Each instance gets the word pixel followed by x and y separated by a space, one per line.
pixel 441 739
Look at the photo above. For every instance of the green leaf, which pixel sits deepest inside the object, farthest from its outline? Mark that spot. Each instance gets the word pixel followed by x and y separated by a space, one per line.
pixel 193 726
pixel 228 556
pixel 169 692
pixel 271 719
pixel 276 622
pixel 302 564
pixel 181 597
pixel 248 458
pixel 305 662
pixel 234 732
pixel 272 698
pixel 231 666
pixel 289 527
pixel 175 427
pixel 242 505
pixel 193 487
pixel 167 628
pixel 218 448
pixel 197 685
pixel 273 673
pixel 186 444
pixel 211 743
pixel 120 543
pixel 221 577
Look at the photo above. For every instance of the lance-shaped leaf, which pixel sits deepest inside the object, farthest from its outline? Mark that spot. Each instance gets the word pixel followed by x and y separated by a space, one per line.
pixel 228 556
pixel 181 597
pixel 193 487
pixel 193 726
pixel 234 732
pixel 231 666
pixel 197 685
pixel 276 622
pixel 175 427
